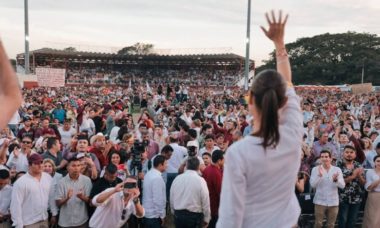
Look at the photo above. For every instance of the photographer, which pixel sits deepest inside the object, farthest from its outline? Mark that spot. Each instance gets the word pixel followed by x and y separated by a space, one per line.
pixel 123 198
pixel 138 163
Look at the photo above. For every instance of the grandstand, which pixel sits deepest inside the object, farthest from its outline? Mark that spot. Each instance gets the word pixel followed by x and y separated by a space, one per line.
pixel 111 69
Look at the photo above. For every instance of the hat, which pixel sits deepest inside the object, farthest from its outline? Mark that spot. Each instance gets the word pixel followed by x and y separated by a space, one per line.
pixel 193 143
pixel 35 158
pixel 48 131
pixel 26 118
pixel 96 137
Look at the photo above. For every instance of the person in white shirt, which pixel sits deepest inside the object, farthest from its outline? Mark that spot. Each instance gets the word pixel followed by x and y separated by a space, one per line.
pixel 115 205
pixel 192 152
pixel 257 188
pixel 30 197
pixel 154 194
pixel 14 122
pixel 19 158
pixel 179 153
pixel 72 197
pixel 189 198
pixel 5 199
pixel 67 132
pixel 209 145
pixel 326 179
pixel 372 206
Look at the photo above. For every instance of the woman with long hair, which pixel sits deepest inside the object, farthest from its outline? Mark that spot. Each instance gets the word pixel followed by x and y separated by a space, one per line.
pixel 372 206
pixel 260 170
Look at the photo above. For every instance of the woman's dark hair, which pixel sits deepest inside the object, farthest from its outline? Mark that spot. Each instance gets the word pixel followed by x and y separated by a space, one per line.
pixel 268 91
pixel 110 156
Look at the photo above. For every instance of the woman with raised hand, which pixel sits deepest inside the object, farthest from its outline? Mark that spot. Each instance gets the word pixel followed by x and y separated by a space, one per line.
pixel 258 179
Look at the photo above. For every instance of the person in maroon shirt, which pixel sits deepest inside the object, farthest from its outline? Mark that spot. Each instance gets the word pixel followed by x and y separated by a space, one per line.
pixel 101 148
pixel 213 176
pixel 27 130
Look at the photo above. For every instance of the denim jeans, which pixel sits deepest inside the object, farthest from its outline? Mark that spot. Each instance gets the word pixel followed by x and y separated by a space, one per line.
pixel 152 222
pixel 187 219
pixel 348 213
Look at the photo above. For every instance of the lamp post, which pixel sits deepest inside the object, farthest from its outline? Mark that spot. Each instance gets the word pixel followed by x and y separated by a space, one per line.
pixel 247 42
pixel 26 37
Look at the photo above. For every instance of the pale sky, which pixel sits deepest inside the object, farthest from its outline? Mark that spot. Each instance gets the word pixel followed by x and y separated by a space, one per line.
pixel 185 25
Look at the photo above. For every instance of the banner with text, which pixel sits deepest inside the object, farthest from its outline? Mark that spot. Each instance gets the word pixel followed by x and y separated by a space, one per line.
pixel 50 77
pixel 361 88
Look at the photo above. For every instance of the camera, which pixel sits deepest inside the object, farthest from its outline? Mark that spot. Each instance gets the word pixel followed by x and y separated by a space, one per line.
pixel 136 151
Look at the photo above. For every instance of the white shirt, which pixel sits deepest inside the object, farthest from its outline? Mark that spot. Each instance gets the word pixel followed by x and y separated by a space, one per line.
pixel 66 135
pixel 15 118
pixel 154 194
pixel 114 133
pixel 326 189
pixel 179 152
pixel 5 199
pixel 371 177
pixel 204 150
pixel 108 214
pixel 21 162
pixel 189 192
pixel 30 199
pixel 258 185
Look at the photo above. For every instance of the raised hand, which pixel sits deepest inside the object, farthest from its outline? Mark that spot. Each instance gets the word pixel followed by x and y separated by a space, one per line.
pixel 335 177
pixel 70 193
pixel 119 187
pixel 276 29
pixel 320 169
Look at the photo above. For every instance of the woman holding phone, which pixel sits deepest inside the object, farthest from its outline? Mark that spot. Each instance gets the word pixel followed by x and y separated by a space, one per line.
pixel 259 174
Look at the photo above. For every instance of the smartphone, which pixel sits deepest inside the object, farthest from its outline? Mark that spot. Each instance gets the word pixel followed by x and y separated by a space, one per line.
pixel 130 185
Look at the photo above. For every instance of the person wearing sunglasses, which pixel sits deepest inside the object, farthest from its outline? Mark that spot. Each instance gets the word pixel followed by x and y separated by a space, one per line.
pixel 115 205
pixel 19 156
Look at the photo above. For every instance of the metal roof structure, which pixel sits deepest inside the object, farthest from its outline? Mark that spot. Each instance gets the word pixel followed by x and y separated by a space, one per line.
pixel 54 55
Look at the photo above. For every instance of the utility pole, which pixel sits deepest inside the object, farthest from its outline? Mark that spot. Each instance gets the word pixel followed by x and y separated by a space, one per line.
pixel 26 56
pixel 246 66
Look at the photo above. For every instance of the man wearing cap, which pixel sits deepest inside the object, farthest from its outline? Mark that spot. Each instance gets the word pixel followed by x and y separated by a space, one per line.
pixel 5 199
pixel 19 158
pixel 109 180
pixel 27 130
pixel 192 152
pixel 115 205
pixel 30 197
pixel 73 193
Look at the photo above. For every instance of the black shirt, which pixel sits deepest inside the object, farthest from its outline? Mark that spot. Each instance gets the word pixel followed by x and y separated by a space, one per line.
pixel 102 184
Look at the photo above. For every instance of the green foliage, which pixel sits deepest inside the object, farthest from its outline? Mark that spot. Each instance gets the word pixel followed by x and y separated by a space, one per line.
pixel 330 59
pixel 137 49
pixel 71 49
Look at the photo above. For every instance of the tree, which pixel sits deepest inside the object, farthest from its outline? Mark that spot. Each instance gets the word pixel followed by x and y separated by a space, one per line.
pixel 333 59
pixel 71 49
pixel 137 49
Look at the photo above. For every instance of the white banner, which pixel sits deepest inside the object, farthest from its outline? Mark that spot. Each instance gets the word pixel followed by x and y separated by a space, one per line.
pixel 50 77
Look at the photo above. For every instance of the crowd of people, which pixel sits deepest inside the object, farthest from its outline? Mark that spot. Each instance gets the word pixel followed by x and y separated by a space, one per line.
pixel 117 75
pixel 79 157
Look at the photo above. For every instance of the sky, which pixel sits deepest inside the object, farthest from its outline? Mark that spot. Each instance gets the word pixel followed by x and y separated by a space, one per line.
pixel 176 26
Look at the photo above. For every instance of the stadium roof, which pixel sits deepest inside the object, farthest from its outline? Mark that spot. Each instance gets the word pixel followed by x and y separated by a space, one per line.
pixel 54 55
